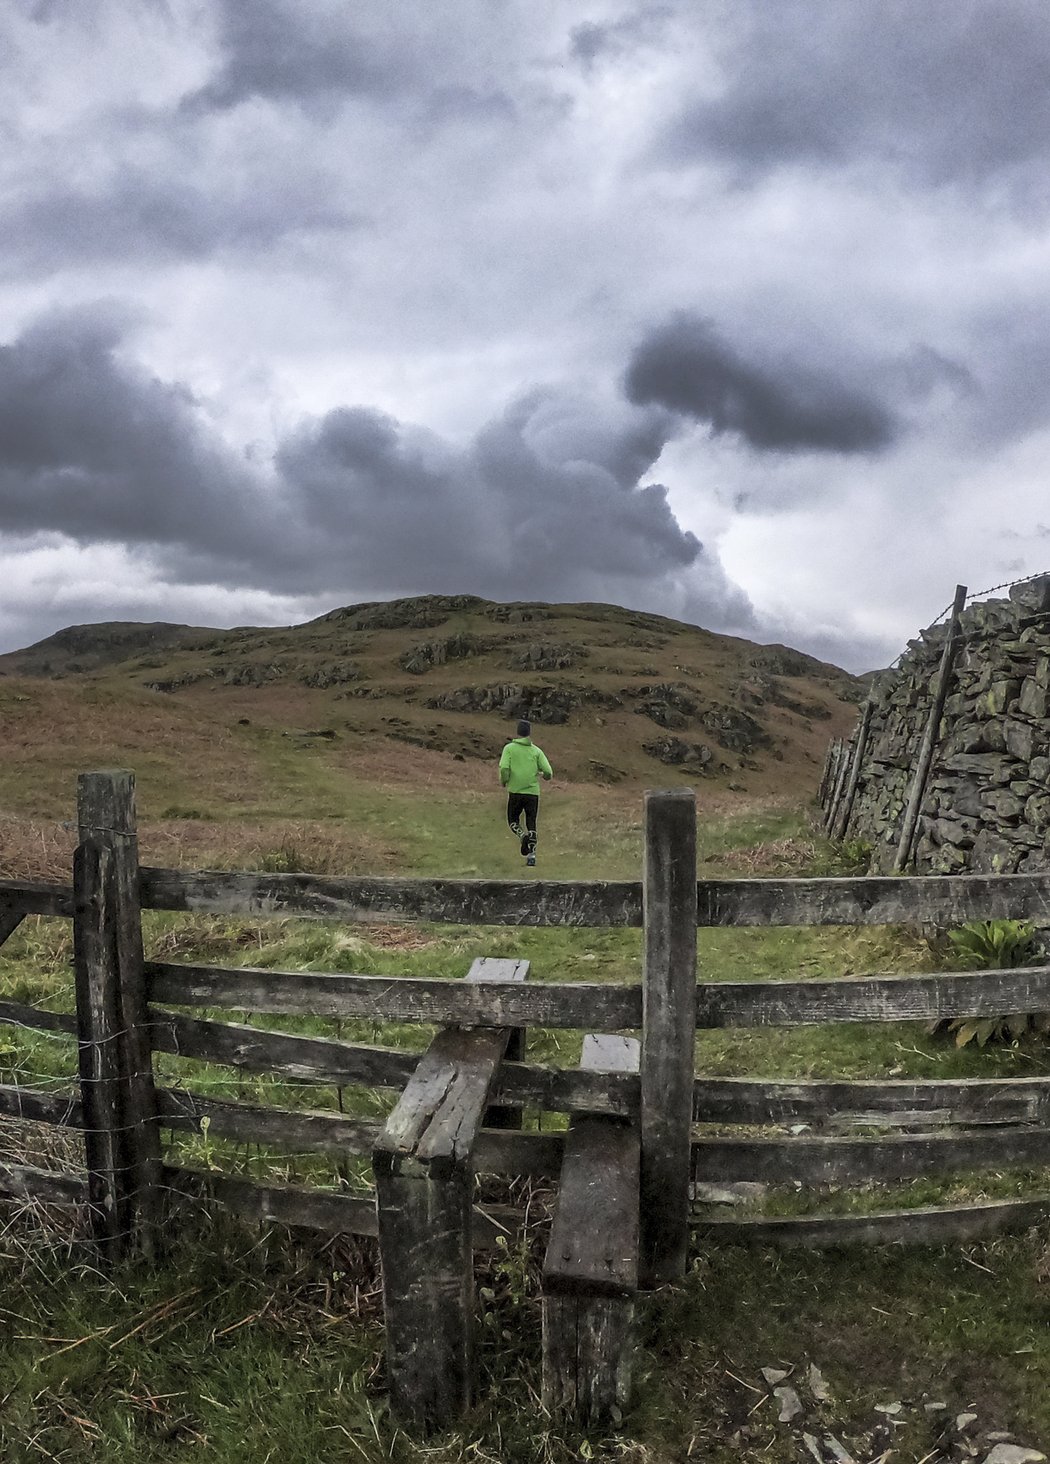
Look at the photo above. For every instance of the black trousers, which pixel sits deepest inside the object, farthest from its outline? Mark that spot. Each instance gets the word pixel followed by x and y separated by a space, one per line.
pixel 523 803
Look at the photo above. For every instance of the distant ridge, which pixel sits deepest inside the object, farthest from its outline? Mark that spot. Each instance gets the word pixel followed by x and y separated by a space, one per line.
pixel 616 694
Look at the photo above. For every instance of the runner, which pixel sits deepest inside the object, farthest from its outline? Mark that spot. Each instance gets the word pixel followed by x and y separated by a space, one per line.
pixel 519 765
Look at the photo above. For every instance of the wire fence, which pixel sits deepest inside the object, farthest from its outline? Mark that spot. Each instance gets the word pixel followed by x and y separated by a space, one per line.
pixel 971 598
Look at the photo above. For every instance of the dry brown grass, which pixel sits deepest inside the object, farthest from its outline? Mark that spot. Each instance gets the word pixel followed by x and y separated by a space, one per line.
pixel 42 849
pixel 790 855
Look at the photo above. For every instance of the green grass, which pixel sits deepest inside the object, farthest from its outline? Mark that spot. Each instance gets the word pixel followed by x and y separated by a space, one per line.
pixel 250 1350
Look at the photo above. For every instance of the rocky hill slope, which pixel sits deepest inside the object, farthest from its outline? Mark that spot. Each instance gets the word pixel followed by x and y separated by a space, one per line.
pixel 615 695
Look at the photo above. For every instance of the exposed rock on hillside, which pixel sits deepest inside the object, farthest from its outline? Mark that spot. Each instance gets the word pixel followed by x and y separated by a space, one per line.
pixel 542 657
pixel 734 729
pixel 676 753
pixel 550 704
pixel 420 659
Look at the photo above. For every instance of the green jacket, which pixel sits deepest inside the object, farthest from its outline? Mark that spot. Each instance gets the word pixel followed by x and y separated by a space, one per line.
pixel 519 764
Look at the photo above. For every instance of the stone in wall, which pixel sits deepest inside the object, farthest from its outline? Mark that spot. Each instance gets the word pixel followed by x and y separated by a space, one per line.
pixel 987 801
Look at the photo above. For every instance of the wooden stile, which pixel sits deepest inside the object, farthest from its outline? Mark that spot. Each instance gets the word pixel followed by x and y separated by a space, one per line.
pixel 121 1138
pixel 423 1166
pixel 590 1273
pixel 669 1023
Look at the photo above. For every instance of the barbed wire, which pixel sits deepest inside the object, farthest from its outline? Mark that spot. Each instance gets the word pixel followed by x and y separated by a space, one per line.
pixel 970 598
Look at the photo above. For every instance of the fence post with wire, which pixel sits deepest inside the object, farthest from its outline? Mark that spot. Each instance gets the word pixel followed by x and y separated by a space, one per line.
pixel 949 766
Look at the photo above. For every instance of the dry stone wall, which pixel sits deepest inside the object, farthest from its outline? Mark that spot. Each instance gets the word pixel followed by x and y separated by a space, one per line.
pixel 986 805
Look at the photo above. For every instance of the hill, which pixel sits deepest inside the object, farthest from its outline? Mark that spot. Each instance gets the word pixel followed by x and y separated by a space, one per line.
pixel 616 696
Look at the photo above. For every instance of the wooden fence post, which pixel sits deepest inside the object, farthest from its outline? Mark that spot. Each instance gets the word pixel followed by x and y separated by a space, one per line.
pixel 929 736
pixel 121 1137
pixel 825 774
pixel 668 1031
pixel 841 765
pixel 842 818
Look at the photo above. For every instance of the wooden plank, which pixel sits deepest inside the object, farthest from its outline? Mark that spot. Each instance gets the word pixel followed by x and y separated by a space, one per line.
pixel 328 1211
pixel 31 897
pixel 874 998
pixel 593 1247
pixel 42 1186
pixel 287 1054
pixel 669 986
pixel 311 1130
pixel 962 1101
pixel 496 1151
pixel 943 1225
pixel 35 1019
pixel 868 900
pixel 822 1161
pixel 358 899
pixel 111 1007
pixel 590 1273
pixel 950 899
pixel 398 998
pixel 930 734
pixel 501 1115
pixel 10 920
pixel 324 1060
pixel 423 1167
pixel 311 1209
pixel 34 1106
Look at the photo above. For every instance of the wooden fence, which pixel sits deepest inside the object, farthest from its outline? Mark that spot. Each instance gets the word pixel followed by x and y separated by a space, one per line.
pixel 638 1141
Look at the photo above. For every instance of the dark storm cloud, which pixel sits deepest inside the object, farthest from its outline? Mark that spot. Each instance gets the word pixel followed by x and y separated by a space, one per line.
pixel 290 52
pixel 544 502
pixel 946 91
pixel 686 366
pixel 96 449
pixel 530 502
pixel 142 215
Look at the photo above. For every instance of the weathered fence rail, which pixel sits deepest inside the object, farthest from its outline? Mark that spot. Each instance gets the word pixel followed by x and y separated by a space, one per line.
pixel 645 1128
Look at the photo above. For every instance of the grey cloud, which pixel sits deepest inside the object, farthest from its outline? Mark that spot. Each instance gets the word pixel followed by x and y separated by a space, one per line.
pixel 686 366
pixel 99 450
pixel 593 41
pixel 546 501
pixel 140 214
pixel 531 503
pixel 952 91
pixel 295 53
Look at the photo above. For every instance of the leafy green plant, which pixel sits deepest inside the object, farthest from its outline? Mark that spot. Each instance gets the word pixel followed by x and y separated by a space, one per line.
pixel 993 945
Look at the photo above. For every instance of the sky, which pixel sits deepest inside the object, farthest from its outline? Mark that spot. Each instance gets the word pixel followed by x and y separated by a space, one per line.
pixel 732 310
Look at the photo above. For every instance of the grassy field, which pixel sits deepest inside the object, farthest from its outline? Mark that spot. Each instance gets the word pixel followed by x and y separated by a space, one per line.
pixel 264 1349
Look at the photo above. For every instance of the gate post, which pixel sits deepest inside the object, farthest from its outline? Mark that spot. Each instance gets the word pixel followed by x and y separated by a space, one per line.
pixel 668 1031
pixel 121 1138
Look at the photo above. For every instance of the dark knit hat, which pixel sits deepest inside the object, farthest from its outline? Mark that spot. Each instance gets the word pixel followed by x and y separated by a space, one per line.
pixel 524 728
